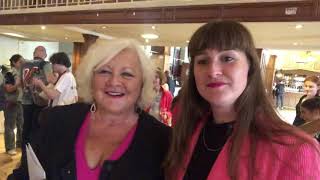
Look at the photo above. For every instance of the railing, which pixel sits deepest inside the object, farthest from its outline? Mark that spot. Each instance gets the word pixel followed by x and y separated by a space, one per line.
pixel 26 4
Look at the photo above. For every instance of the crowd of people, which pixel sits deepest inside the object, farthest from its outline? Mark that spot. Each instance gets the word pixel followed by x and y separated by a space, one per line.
pixel 223 124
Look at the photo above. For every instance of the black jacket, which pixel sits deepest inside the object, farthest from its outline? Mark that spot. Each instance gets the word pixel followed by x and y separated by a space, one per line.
pixel 54 146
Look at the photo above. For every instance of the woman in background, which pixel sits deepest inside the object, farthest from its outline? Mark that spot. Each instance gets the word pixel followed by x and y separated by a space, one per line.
pixel 64 91
pixel 13 114
pixel 311 89
pixel 227 128
pixel 310 113
pixel 161 105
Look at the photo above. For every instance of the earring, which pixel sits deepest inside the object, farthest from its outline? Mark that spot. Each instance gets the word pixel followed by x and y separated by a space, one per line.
pixel 93 108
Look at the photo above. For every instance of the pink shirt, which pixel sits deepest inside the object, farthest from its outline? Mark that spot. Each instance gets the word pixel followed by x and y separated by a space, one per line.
pixel 83 170
pixel 300 162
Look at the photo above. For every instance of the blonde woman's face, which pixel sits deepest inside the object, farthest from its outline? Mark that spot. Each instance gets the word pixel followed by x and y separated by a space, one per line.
pixel 117 85
pixel 310 88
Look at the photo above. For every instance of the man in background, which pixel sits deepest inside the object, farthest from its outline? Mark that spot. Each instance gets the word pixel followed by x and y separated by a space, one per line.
pixel 41 69
pixel 171 82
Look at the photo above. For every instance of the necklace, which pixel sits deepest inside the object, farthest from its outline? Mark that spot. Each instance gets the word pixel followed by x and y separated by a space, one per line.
pixel 206 145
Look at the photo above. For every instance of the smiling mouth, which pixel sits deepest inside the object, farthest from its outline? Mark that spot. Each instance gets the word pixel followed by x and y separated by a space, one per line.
pixel 216 84
pixel 114 94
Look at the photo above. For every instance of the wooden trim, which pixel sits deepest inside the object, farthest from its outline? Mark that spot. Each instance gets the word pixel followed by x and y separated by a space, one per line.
pixel 246 12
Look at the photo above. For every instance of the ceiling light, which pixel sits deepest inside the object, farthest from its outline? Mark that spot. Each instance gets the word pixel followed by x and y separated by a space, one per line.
pixel 147 40
pixel 97 14
pixel 299 26
pixel 295 44
pixel 187 41
pixel 65 38
pixel 103 27
pixel 153 27
pixel 149 36
pixel 14 34
pixel 43 27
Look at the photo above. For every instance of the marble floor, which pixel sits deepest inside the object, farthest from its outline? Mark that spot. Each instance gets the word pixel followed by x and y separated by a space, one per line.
pixel 7 162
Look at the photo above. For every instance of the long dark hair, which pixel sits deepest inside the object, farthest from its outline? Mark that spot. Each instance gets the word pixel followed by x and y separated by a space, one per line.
pixel 253 107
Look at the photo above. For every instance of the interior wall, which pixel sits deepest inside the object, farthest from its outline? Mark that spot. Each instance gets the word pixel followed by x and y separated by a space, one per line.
pixel 9 46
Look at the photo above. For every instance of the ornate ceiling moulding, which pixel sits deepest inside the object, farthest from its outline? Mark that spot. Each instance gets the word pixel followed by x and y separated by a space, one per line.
pixel 245 12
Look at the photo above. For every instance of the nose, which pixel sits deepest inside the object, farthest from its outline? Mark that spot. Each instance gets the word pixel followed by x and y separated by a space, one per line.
pixel 215 69
pixel 114 80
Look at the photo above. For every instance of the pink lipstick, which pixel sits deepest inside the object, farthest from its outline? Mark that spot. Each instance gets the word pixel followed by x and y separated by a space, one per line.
pixel 215 84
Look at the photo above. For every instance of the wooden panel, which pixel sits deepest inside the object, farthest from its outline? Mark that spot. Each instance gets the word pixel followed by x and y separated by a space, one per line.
pixel 270 73
pixel 265 11
pixel 249 12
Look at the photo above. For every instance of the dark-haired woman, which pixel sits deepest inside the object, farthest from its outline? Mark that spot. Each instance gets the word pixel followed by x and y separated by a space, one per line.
pixel 64 91
pixel 311 89
pixel 13 117
pixel 227 128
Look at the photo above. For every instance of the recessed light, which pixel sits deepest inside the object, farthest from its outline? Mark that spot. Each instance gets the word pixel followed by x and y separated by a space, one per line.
pixel 299 26
pixel 43 27
pixel 187 41
pixel 153 27
pixel 295 44
pixel 147 40
pixel 149 36
pixel 66 38
pixel 97 14
pixel 104 27
pixel 14 34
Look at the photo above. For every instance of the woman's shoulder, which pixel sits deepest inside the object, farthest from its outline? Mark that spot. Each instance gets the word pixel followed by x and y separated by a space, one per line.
pixel 152 123
pixel 298 147
pixel 71 108
pixel 67 113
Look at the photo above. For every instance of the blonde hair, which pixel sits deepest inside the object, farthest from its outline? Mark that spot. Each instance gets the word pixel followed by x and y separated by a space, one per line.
pixel 99 54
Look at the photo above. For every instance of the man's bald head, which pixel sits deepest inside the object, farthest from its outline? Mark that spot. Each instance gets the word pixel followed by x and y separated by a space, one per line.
pixel 40 52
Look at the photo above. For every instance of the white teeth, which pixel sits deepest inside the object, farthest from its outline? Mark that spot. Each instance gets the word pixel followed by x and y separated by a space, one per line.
pixel 114 93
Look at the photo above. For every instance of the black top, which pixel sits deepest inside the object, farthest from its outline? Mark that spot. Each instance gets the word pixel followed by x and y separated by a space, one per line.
pixel 298 120
pixel 54 146
pixel 210 142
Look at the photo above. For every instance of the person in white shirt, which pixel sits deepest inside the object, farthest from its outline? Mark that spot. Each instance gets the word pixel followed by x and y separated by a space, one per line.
pixel 64 91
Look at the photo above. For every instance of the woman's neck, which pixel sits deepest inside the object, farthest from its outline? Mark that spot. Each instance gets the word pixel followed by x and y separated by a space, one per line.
pixel 223 115
pixel 113 119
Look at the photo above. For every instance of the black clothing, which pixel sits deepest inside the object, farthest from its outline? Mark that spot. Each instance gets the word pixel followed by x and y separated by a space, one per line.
pixel 279 89
pixel 55 147
pixel 172 84
pixel 212 136
pixel 297 120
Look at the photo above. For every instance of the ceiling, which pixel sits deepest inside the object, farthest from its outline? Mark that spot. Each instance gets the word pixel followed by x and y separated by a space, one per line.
pixel 271 35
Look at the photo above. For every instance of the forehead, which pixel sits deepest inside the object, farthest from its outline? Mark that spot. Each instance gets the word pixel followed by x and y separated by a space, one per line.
pixel 125 58
pixel 310 83
pixel 40 48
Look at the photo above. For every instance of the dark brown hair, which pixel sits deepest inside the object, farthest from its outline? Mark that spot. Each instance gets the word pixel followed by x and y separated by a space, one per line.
pixel 252 107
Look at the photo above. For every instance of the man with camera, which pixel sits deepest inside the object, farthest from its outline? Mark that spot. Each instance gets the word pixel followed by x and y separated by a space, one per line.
pixel 31 101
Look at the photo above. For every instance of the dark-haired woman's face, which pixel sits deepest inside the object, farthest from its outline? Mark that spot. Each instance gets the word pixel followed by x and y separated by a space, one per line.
pixel 58 68
pixel 221 76
pixel 18 64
